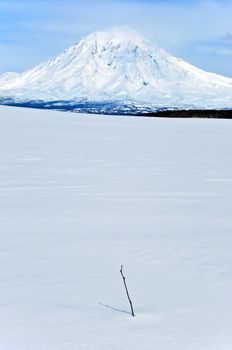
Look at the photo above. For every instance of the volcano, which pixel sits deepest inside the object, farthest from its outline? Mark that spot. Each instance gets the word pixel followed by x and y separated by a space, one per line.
pixel 117 67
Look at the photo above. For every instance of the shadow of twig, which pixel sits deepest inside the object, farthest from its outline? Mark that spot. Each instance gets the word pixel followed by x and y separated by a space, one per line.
pixel 113 308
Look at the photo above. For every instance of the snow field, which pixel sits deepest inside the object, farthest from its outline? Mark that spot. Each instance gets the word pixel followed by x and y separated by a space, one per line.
pixel 79 196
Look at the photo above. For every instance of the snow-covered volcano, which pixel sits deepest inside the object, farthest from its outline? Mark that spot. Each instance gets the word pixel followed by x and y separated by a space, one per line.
pixel 119 65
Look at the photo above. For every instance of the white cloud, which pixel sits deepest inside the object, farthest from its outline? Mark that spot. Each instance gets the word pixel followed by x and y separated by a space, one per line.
pixel 215 50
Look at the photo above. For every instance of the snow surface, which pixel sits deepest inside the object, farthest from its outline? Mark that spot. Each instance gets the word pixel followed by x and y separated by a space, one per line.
pixel 81 195
pixel 119 64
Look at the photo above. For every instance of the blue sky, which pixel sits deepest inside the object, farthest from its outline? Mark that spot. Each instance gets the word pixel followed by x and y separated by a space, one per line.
pixel 31 31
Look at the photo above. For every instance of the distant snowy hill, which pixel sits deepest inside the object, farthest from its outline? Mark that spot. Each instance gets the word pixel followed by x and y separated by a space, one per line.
pixel 119 65
pixel 7 77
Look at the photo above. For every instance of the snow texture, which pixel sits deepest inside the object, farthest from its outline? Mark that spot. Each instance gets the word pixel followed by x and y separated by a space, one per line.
pixel 81 195
pixel 119 64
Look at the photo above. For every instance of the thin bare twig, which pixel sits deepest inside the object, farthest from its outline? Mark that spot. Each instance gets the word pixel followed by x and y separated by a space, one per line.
pixel 127 293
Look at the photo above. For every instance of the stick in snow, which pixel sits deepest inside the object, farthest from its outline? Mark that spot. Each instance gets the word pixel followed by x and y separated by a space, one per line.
pixel 127 293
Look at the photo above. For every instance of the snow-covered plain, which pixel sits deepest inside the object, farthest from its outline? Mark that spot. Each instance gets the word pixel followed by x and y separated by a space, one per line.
pixel 81 195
